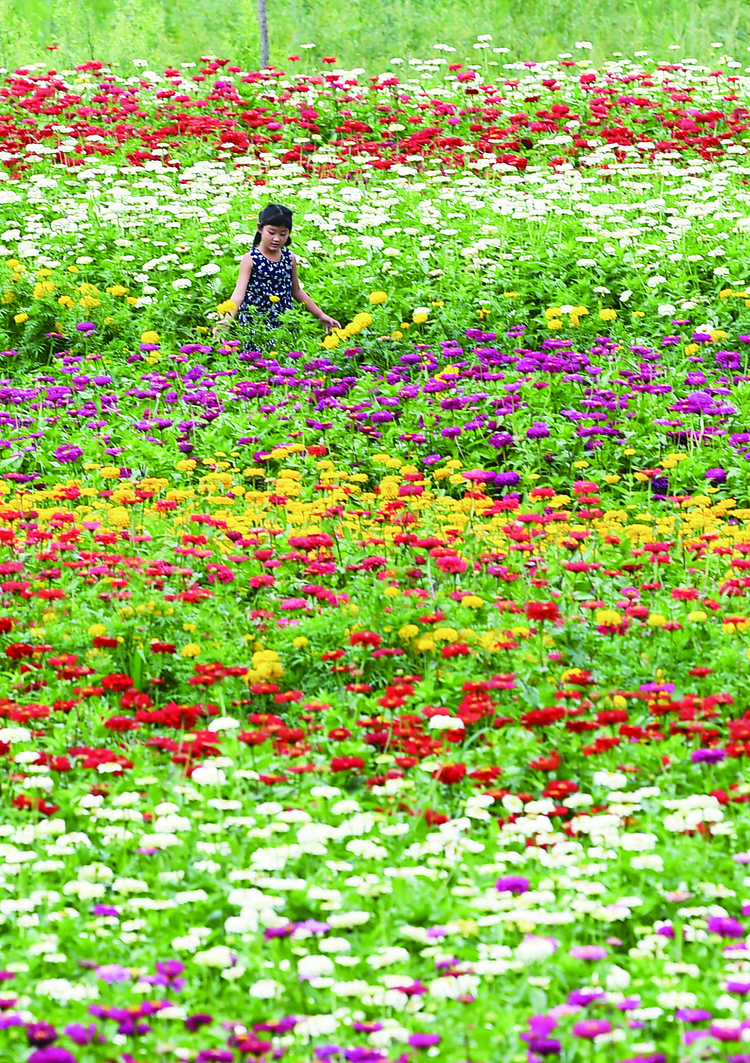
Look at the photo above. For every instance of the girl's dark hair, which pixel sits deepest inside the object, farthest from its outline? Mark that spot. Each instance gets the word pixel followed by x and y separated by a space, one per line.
pixel 274 214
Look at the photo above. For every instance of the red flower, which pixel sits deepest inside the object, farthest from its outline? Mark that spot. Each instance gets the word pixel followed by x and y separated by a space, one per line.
pixel 550 763
pixel 450 773
pixel 542 611
pixel 346 764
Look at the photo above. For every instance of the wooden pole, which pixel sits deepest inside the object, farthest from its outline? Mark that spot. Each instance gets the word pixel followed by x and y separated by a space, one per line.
pixel 263 28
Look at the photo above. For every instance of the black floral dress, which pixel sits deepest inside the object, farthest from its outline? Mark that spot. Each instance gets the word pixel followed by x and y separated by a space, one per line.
pixel 257 312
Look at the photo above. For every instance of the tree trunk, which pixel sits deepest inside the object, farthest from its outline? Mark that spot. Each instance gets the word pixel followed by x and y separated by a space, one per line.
pixel 263 28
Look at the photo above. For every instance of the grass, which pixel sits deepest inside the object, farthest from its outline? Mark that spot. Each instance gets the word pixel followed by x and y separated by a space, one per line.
pixel 359 33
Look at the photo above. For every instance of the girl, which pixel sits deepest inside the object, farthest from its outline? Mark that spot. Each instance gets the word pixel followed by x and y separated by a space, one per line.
pixel 268 282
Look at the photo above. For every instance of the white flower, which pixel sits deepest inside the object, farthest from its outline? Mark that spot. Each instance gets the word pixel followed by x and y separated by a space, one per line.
pixel 311 967
pixel 208 775
pixel 387 955
pixel 14 734
pixel 265 989
pixel 617 978
pixel 224 723
pixel 637 842
pixel 612 780
pixel 366 849
pixel 446 723
pixel 182 282
pixel 666 310
pixel 533 948
pixel 218 956
pixel 654 282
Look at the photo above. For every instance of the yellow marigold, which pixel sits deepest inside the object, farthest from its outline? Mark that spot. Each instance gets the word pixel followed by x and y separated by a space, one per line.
pixel 608 314
pixel 117 289
pixel 419 316
pixel 192 649
pixel 376 298
pixel 510 295
pixel 187 465
pixel 97 630
pixel 397 335
pixel 300 642
pixel 119 516
pixel 697 616
pixel 227 306
pixel 20 318
pixel 552 312
pixel 656 620
pixel 330 342
pixel 608 617
pixel 391 592
pixel 472 601
pixel 43 288
pixel 110 472
pixel 445 634
pixel 554 323
pixel 150 336
pixel 425 644
pixel 408 631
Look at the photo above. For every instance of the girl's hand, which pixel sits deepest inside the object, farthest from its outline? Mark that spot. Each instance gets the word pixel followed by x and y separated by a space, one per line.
pixel 220 326
pixel 329 322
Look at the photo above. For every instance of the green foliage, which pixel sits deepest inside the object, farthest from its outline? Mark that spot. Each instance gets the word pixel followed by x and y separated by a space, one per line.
pixel 167 30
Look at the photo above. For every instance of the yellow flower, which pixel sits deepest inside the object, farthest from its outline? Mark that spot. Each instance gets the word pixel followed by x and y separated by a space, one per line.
pixel 656 620
pixel 425 644
pixel 150 337
pixel 376 298
pixel 20 318
pixel 72 269
pixel 300 642
pixel 608 314
pixel 638 313
pixel 691 348
pixel 725 293
pixel 391 592
pixel 397 335
pixel 273 299
pixel 330 342
pixel 227 306
pixel 110 472
pixel 186 465
pixel 43 288
pixel 554 323
pixel 408 631
pixel 472 601
pixel 419 317
pixel 117 289
pixel 119 516
pixel 608 617
pixel 510 295
pixel 552 312
pixel 192 649
pixel 97 630
pixel 697 616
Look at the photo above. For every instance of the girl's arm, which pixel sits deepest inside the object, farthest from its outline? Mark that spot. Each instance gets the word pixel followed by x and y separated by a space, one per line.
pixel 246 266
pixel 301 296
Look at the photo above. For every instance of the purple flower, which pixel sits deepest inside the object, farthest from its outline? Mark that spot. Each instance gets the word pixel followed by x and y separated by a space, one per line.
pixel 707 756
pixel 79 1034
pixel 327 1052
pixel 588 952
pixel 725 926
pixel 67 452
pixel 113 972
pixel 716 476
pixel 41 1034
pixel 423 1040
pixel 194 1022
pixel 585 996
pixel 726 1030
pixel 105 909
pixel 86 327
pixel 738 985
pixel 591 1028
pixel 512 884
pixel 51 1054
pixel 538 430
pixel 214 1055
pixel 692 1015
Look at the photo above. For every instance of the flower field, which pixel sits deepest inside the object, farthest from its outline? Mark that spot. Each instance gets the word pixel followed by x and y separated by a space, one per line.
pixel 379 696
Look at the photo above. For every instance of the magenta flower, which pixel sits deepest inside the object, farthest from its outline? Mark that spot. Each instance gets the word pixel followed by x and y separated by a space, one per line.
pixel 591 1028
pixel 512 884
pixel 588 952
pixel 423 1040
